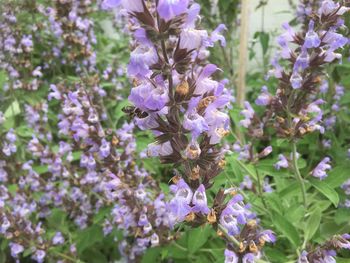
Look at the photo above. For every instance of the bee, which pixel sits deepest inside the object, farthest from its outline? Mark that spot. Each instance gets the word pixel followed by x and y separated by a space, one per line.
pixel 132 111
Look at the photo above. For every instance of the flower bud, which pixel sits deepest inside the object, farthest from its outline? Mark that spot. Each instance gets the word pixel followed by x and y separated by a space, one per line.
pixel 182 89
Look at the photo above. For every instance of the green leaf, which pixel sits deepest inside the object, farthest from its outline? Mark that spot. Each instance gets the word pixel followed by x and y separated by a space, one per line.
pixel 57 220
pixel 12 110
pixel 102 213
pixel 88 237
pixel 118 110
pixel 152 255
pixel 342 260
pixel 342 215
pixel 312 224
pixel 197 237
pixel 286 228
pixel 264 41
pixel 40 169
pixel 24 131
pixel 326 190
pixel 337 176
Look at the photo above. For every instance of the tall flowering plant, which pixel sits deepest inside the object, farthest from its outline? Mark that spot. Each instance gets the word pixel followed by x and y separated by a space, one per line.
pixel 295 109
pixel 175 95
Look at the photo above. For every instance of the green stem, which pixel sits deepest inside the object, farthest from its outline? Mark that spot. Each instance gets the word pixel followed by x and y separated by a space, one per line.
pixel 297 173
pixel 179 246
pixel 229 237
pixel 63 256
pixel 260 187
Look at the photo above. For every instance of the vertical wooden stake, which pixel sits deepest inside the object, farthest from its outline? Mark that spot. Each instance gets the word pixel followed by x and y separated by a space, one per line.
pixel 243 53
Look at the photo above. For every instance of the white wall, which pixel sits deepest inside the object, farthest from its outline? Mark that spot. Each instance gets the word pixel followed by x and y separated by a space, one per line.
pixel 276 12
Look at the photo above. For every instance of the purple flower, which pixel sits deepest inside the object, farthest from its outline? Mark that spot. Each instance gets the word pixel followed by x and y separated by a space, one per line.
pixel 168 9
pixel 230 256
pixel 58 239
pixel 302 61
pixel 200 201
pixel 303 257
pixel 37 72
pixel 287 36
pixel 216 36
pixel 155 149
pixel 312 39
pixel 268 236
pixel 146 97
pixel 16 249
pixel 108 4
pixel 180 204
pixel 140 60
pixel 282 162
pixel 329 6
pixel 264 98
pixel 192 39
pixel 248 114
pixel 296 80
pixel 248 258
pixel 321 168
pixel 105 149
pixel 247 183
pixel 133 5
pixel 11 136
pixel 229 222
pixel 195 123
pixel 54 93
pixel 154 240
pixel 266 186
pixel 39 256
pixel 27 41
pixel 267 150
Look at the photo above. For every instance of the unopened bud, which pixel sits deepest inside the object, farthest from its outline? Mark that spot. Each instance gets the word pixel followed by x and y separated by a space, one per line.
pixel 183 88
pixel 252 223
pixel 115 141
pixel 265 152
pixel 190 217
pixel 193 151
pixel 211 217
pixel 252 247
pixel 232 191
pixel 204 103
pixel 222 163
pixel 195 173
pixel 242 247
pixel 175 179
pixel 279 119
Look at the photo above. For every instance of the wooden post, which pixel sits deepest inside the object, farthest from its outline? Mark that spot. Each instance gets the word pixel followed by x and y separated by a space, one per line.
pixel 243 53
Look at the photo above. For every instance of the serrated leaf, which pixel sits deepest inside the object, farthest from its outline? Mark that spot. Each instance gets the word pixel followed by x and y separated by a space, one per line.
pixel 326 190
pixel 312 224
pixel 286 228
